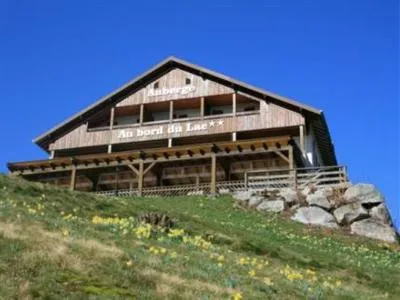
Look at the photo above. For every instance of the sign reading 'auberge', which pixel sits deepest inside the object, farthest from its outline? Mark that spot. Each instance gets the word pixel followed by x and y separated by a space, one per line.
pixel 182 90
pixel 169 129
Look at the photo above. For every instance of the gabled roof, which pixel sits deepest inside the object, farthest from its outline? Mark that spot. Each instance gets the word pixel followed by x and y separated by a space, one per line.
pixel 164 67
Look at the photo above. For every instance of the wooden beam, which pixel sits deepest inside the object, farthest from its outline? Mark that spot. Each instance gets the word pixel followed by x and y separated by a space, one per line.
pixel 171 111
pixel 213 187
pixel 302 141
pixel 141 116
pixel 291 158
pixel 149 167
pixel 234 104
pixel 140 179
pixel 136 171
pixel 202 107
pixel 283 156
pixel 112 116
pixel 72 184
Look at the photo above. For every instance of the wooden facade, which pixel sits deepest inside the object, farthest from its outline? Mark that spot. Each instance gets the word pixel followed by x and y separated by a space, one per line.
pixel 179 124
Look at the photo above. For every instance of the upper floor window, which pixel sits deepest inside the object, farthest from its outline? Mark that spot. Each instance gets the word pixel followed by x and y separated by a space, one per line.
pixel 188 81
pixel 155 86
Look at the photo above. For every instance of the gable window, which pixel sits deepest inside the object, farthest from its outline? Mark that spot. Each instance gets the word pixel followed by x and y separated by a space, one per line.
pixel 155 86
pixel 188 81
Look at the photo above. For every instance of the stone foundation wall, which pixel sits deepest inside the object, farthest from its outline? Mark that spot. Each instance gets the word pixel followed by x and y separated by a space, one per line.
pixel 361 208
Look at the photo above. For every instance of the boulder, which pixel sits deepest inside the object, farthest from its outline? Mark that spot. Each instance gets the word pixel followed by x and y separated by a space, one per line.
pixel 380 213
pixel 289 195
pixel 243 196
pixel 272 206
pixel 254 201
pixel 364 193
pixel 320 200
pixel 374 229
pixel 349 213
pixel 314 215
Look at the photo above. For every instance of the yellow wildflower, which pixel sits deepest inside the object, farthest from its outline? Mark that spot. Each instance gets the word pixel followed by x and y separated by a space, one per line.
pixel 237 296
pixel 268 281
pixel 252 273
pixel 129 263
pixel 65 232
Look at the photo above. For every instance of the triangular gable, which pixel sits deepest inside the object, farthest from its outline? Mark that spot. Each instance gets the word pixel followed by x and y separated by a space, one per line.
pixel 148 77
pixel 175 84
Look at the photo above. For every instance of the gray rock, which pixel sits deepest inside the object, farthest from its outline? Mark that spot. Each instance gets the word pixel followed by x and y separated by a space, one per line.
pixel 272 206
pixel 320 200
pixel 380 213
pixel 374 229
pixel 254 201
pixel 349 213
pixel 326 191
pixel 314 215
pixel 289 195
pixel 243 196
pixel 363 193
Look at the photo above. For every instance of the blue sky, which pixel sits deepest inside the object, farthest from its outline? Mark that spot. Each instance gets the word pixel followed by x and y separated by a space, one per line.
pixel 340 56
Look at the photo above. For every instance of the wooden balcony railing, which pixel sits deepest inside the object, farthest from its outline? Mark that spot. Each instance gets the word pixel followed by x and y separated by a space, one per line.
pixel 334 176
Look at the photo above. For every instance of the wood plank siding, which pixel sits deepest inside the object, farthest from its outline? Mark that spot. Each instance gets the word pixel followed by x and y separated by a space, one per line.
pixel 270 116
pixel 174 79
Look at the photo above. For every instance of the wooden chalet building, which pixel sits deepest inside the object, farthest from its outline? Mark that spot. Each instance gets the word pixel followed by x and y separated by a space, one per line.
pixel 181 128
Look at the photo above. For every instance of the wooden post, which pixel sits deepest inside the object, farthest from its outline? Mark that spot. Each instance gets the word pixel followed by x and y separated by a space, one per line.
pixel 140 178
pixel 51 156
pixel 213 174
pixel 202 107
pixel 197 181
pixel 171 111
pixel 291 159
pixel 234 136
pixel 73 178
pixel 112 117
pixel 246 181
pixel 291 167
pixel 141 114
pixel 302 141
pixel 169 142
pixel 234 104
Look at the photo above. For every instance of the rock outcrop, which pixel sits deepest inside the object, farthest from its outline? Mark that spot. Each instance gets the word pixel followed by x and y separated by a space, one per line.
pixel 363 193
pixel 349 213
pixel 314 215
pixel 361 208
pixel 272 206
pixel 375 229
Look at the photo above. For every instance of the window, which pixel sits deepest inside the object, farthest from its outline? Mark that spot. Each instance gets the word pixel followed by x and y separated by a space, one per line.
pixel 188 81
pixel 155 86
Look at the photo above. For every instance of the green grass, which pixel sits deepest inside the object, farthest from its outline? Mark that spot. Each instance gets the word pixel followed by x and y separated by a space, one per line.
pixel 50 248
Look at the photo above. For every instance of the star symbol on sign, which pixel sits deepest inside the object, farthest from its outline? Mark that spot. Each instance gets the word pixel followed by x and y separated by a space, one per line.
pixel 220 122
pixel 211 124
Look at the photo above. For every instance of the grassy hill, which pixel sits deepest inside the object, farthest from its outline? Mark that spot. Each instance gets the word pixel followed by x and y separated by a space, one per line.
pixel 57 244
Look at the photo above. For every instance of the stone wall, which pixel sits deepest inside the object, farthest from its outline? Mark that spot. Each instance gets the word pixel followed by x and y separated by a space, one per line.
pixel 361 208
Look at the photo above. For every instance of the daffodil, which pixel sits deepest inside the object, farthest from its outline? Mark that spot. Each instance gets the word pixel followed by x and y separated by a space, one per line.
pixel 237 296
